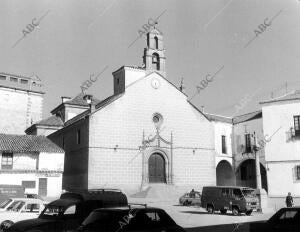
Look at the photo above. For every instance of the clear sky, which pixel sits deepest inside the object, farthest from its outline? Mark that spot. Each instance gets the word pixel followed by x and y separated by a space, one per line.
pixel 77 38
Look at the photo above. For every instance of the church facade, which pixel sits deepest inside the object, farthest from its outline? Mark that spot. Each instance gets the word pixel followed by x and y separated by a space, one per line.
pixel 147 132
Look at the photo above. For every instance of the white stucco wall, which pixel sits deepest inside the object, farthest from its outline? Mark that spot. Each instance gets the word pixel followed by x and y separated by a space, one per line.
pixel 51 161
pixel 223 128
pixel 282 154
pixel 122 123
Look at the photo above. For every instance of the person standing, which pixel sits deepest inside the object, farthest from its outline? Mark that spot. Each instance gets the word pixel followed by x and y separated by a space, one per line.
pixel 289 200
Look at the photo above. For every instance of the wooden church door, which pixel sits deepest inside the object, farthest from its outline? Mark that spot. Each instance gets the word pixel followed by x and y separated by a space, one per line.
pixel 157 173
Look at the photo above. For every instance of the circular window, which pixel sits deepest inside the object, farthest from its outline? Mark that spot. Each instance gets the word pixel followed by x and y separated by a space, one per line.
pixel 157 119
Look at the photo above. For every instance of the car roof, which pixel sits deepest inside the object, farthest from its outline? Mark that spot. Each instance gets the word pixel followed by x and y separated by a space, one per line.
pixel 63 202
pixel 233 187
pixel 28 200
pixel 128 209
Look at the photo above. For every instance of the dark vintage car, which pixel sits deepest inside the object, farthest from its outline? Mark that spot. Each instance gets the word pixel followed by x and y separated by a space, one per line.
pixel 127 219
pixel 190 199
pixel 68 212
pixel 284 220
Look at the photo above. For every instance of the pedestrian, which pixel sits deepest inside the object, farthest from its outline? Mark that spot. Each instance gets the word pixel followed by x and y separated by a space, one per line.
pixel 192 193
pixel 289 200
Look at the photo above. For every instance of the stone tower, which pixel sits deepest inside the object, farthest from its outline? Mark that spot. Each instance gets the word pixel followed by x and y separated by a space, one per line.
pixel 154 54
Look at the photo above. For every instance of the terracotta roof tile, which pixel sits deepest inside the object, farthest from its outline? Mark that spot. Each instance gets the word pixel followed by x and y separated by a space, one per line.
pixel 51 121
pixel 27 143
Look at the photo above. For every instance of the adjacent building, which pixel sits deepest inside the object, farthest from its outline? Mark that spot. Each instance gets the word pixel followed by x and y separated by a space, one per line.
pixel 21 102
pixel 34 162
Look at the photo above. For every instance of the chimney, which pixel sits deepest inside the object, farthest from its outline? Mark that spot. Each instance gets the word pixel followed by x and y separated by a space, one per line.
pixel 89 100
pixel 64 99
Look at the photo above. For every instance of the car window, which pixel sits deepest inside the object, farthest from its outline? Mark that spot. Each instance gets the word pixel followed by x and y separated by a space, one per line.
pixel 237 193
pixel 70 210
pixel 16 206
pixel 225 192
pixel 287 215
pixel 187 195
pixel 5 203
pixel 33 208
pixel 198 195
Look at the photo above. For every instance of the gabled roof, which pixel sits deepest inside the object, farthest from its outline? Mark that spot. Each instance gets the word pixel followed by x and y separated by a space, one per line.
pixel 28 143
pixel 99 106
pixel 78 100
pixel 295 95
pixel 53 120
pixel 247 117
pixel 218 118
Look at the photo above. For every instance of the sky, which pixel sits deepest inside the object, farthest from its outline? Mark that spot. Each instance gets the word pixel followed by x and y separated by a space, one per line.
pixel 77 38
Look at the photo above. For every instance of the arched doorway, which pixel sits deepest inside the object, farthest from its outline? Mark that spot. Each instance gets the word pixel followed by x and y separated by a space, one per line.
pixel 157 170
pixel 225 175
pixel 246 175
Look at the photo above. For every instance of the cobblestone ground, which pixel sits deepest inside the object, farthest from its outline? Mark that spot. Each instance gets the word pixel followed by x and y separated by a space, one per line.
pixel 197 219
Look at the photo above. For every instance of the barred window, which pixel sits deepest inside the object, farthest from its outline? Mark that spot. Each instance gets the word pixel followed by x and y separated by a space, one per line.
pixel 224 148
pixel 297 124
pixel 298 172
pixel 7 160
pixel 248 143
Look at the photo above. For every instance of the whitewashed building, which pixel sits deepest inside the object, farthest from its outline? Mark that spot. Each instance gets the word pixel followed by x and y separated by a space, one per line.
pixel 34 162
pixel 281 122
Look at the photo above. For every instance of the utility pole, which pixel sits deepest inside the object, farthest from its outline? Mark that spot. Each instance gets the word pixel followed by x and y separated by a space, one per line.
pixel 257 164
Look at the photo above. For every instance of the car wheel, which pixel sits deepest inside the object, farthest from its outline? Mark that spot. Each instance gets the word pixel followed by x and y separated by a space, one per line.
pixel 5 225
pixel 186 203
pixel 223 211
pixel 248 213
pixel 235 211
pixel 210 209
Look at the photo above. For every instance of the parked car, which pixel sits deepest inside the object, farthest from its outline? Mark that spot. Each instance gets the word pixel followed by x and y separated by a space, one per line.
pixel 68 212
pixel 6 203
pixel 223 198
pixel 190 199
pixel 126 219
pixel 285 219
pixel 20 209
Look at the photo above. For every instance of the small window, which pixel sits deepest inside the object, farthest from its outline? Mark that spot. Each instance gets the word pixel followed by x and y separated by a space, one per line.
pixel 298 172
pixel 70 210
pixel 78 136
pixel 248 143
pixel 224 148
pixel 24 81
pixel 289 214
pixel 225 192
pixel 3 78
pixel 237 192
pixel 13 79
pixel 32 208
pixel 153 216
pixel 156 42
pixel 28 184
pixel 7 161
pixel 297 124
